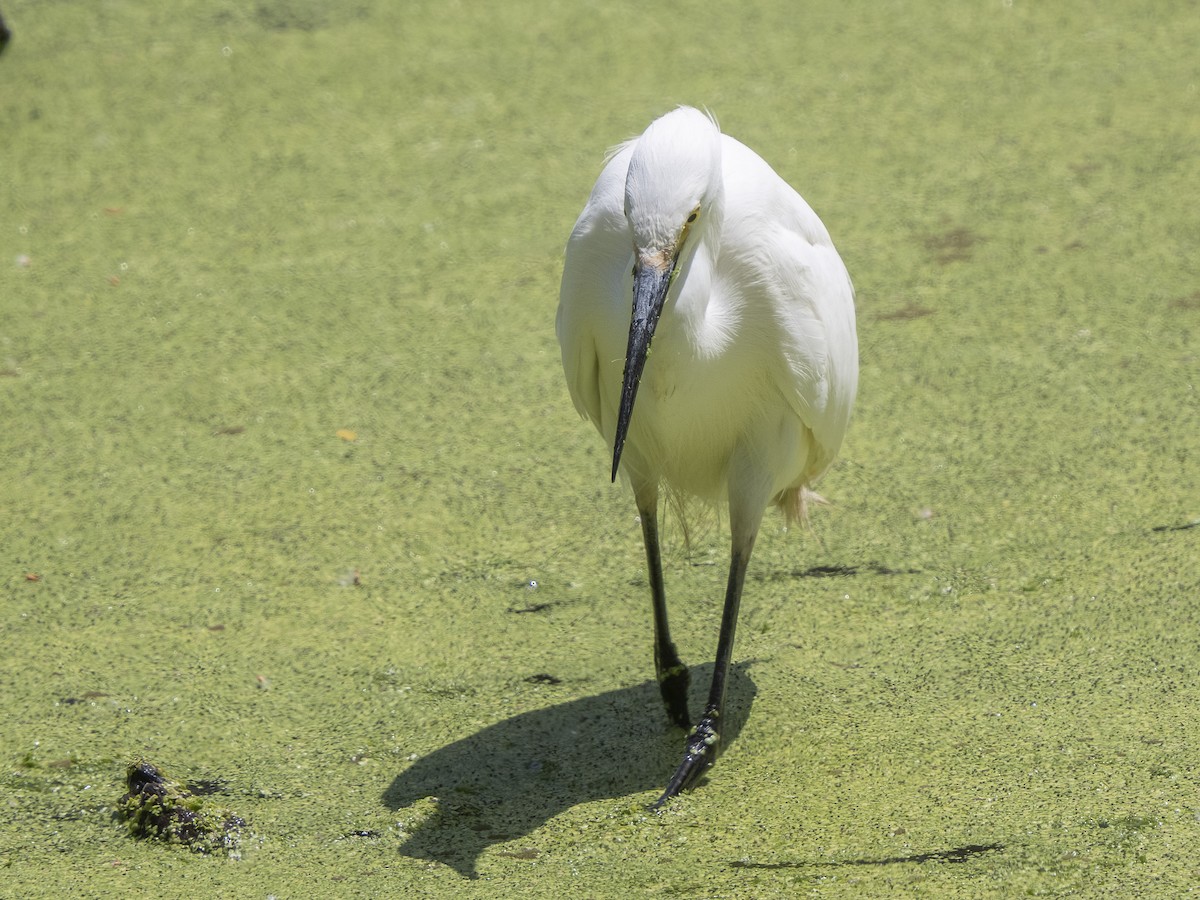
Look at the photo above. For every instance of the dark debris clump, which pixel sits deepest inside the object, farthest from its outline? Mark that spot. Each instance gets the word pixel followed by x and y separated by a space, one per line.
pixel 159 808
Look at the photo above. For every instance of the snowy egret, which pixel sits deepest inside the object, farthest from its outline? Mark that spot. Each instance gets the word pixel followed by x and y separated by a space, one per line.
pixel 747 395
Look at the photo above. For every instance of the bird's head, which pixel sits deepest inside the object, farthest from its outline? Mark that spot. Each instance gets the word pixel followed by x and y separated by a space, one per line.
pixel 672 189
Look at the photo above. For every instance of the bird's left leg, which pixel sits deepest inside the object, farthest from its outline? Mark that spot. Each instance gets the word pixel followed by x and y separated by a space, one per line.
pixel 703 743
pixel 748 493
pixel 672 674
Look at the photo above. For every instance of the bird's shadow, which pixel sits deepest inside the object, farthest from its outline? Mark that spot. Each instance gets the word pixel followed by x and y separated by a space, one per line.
pixel 505 781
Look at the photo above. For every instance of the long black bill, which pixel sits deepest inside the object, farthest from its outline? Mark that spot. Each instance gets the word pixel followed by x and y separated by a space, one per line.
pixel 650 286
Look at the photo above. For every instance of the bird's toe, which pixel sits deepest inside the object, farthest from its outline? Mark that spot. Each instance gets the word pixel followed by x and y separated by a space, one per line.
pixel 700 752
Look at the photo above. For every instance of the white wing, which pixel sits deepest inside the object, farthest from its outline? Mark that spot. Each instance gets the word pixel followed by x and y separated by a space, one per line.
pixel 599 257
pixel 810 291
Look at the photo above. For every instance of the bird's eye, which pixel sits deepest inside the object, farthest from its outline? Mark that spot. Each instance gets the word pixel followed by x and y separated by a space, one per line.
pixel 692 218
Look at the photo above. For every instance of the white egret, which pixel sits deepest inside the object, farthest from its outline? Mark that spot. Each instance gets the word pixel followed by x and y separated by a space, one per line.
pixel 747 395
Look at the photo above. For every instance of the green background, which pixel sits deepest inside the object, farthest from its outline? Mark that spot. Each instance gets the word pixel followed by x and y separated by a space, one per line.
pixel 228 231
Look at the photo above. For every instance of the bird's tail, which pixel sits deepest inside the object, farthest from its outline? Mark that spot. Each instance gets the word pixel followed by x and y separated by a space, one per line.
pixel 795 502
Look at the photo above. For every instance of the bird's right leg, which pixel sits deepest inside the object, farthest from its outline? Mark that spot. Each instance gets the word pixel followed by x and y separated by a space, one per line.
pixel 672 673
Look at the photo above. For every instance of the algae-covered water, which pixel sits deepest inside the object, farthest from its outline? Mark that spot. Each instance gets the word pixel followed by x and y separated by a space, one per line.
pixel 294 504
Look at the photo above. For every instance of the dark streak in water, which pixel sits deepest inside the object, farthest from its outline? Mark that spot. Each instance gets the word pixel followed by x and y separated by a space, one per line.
pixel 954 855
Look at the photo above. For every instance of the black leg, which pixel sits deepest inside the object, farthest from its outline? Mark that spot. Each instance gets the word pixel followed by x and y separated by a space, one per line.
pixel 672 674
pixel 704 742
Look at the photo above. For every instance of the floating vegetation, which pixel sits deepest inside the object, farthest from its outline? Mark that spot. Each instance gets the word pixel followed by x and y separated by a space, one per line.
pixel 159 808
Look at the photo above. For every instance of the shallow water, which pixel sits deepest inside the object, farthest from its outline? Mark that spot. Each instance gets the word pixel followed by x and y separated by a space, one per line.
pixel 227 235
